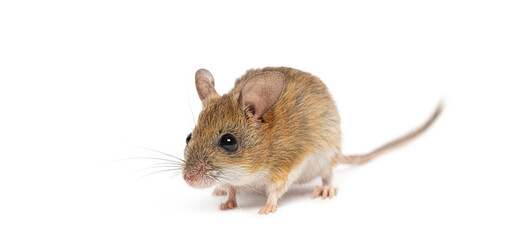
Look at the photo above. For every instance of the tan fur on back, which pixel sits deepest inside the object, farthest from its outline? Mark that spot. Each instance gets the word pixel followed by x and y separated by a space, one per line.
pixel 304 120
pixel 304 114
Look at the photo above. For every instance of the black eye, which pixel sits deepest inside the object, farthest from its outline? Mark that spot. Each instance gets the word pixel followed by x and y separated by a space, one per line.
pixel 228 142
pixel 188 138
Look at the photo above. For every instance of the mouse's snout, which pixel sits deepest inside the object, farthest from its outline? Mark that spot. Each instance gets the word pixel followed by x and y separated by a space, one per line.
pixel 198 174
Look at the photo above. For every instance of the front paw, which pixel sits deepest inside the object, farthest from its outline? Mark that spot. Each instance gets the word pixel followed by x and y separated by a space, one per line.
pixel 268 208
pixel 229 204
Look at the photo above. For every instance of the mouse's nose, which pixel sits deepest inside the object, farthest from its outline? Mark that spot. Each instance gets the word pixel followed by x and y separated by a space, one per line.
pixel 198 176
pixel 188 179
pixel 193 174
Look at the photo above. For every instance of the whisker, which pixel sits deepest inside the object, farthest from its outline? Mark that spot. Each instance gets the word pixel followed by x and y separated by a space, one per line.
pixel 152 150
pixel 152 158
pixel 175 174
pixel 216 178
pixel 222 177
pixel 160 166
pixel 153 173
pixel 168 164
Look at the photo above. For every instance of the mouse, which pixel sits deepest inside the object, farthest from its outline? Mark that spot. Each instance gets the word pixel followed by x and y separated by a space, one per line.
pixel 277 127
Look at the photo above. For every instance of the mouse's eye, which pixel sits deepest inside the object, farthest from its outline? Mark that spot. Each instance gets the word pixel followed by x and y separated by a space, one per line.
pixel 228 142
pixel 188 138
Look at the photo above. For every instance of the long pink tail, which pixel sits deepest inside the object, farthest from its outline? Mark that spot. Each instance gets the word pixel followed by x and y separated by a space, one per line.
pixel 360 159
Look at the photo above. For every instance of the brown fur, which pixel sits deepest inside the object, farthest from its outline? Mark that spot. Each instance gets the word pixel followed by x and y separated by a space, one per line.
pixel 281 118
pixel 289 130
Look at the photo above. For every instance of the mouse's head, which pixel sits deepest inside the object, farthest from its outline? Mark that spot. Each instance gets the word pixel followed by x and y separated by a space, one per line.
pixel 224 145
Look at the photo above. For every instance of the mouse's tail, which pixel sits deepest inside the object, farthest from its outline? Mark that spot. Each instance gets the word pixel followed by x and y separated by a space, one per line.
pixel 360 159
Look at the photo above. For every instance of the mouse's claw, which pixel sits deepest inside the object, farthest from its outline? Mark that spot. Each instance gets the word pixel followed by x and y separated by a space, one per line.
pixel 325 192
pixel 268 208
pixel 229 204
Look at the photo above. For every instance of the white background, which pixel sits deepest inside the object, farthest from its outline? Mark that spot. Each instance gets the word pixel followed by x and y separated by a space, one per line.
pixel 82 83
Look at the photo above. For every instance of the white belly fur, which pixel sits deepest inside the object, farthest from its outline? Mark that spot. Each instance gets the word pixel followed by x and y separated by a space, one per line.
pixel 316 164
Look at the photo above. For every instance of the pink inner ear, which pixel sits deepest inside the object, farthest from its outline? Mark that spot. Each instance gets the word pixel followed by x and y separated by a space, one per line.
pixel 261 91
pixel 204 84
pixel 250 107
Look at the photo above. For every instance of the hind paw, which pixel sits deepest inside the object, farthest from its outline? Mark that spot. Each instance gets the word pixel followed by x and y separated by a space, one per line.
pixel 325 192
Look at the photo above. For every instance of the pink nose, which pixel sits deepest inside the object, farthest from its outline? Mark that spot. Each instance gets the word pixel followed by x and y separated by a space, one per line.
pixel 189 179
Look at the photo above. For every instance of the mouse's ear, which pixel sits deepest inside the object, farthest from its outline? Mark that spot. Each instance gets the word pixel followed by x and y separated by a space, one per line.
pixel 204 84
pixel 261 92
